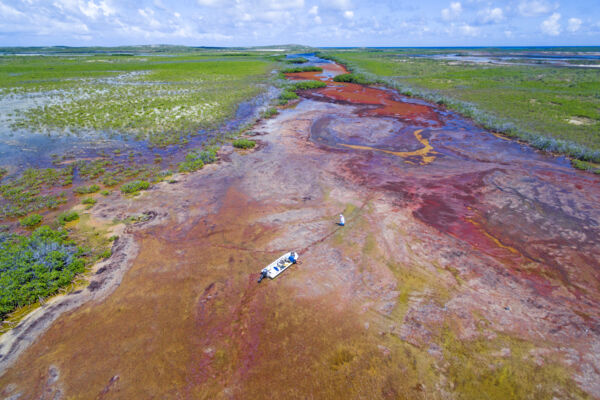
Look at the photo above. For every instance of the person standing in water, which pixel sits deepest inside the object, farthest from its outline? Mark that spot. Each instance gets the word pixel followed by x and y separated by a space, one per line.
pixel 342 220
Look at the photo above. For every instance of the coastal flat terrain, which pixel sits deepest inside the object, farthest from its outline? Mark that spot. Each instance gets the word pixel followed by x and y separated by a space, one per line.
pixel 467 268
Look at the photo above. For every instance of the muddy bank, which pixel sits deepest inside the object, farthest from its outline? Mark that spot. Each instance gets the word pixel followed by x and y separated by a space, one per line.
pixel 468 265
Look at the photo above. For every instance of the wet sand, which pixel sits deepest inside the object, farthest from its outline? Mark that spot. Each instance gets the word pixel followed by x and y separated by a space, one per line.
pixel 451 232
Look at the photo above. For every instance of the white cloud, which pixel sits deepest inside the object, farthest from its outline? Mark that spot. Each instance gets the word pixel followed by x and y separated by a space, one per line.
pixel 93 10
pixel 348 14
pixel 284 4
pixel 452 12
pixel 210 3
pixel 8 11
pixel 339 4
pixel 314 10
pixel 318 19
pixel 574 24
pixel 536 7
pixel 491 15
pixel 551 26
pixel 469 30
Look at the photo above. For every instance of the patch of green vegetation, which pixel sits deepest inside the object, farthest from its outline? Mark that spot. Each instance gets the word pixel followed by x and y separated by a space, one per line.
pixel 289 91
pixel 35 267
pixel 135 186
pixel 478 370
pixel 301 69
pixel 296 60
pixel 145 97
pixel 244 143
pixel 269 112
pixel 90 201
pixel 586 166
pixel 353 78
pixel 32 191
pixel 31 220
pixel 67 216
pixel 87 189
pixel 196 159
pixel 537 104
pixel 307 85
pixel 105 192
pixel 92 169
pixel 288 95
pixel 3 172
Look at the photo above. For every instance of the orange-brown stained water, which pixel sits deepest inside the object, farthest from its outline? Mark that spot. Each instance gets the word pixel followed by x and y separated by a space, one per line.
pixel 473 225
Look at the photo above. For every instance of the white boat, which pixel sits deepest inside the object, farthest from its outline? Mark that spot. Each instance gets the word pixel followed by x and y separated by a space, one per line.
pixel 279 265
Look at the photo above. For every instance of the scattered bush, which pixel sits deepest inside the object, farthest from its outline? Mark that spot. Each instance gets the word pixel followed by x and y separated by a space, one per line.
pixel 353 78
pixel 105 254
pixel 3 171
pixel 104 192
pixel 289 93
pixel 110 181
pixel 89 200
pixel 286 96
pixel 268 113
pixel 31 220
pixel 67 216
pixel 244 143
pixel 36 266
pixel 585 166
pixel 87 189
pixel 296 60
pixel 196 159
pixel 135 186
pixel 301 69
pixel 305 85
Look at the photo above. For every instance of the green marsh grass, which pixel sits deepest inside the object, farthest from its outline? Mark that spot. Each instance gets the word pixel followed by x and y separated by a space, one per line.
pixel 151 98
pixel 301 69
pixel 244 143
pixel 135 186
pixel 31 220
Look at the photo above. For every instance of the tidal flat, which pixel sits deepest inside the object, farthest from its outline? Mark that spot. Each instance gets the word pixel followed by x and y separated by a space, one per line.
pixel 467 268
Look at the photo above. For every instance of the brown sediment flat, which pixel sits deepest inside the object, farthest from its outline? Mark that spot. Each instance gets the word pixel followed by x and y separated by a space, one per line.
pixel 474 236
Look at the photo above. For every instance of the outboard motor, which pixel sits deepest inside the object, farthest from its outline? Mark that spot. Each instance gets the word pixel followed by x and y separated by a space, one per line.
pixel 292 258
pixel 263 274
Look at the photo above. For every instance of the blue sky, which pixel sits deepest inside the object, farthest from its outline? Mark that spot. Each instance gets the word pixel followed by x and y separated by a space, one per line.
pixel 310 22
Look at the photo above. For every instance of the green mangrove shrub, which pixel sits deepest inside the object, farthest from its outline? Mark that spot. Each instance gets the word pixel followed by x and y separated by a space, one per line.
pixel 353 78
pixel 135 186
pixel 89 201
pixel 301 69
pixel 67 216
pixel 244 143
pixel 36 266
pixel 196 159
pixel 31 220
pixel 269 112
pixel 306 85
pixel 86 189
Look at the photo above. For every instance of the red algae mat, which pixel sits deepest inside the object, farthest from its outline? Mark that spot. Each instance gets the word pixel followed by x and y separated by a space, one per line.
pixel 468 268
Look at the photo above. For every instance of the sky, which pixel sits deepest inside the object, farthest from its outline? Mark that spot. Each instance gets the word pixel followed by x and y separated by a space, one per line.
pixel 307 22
